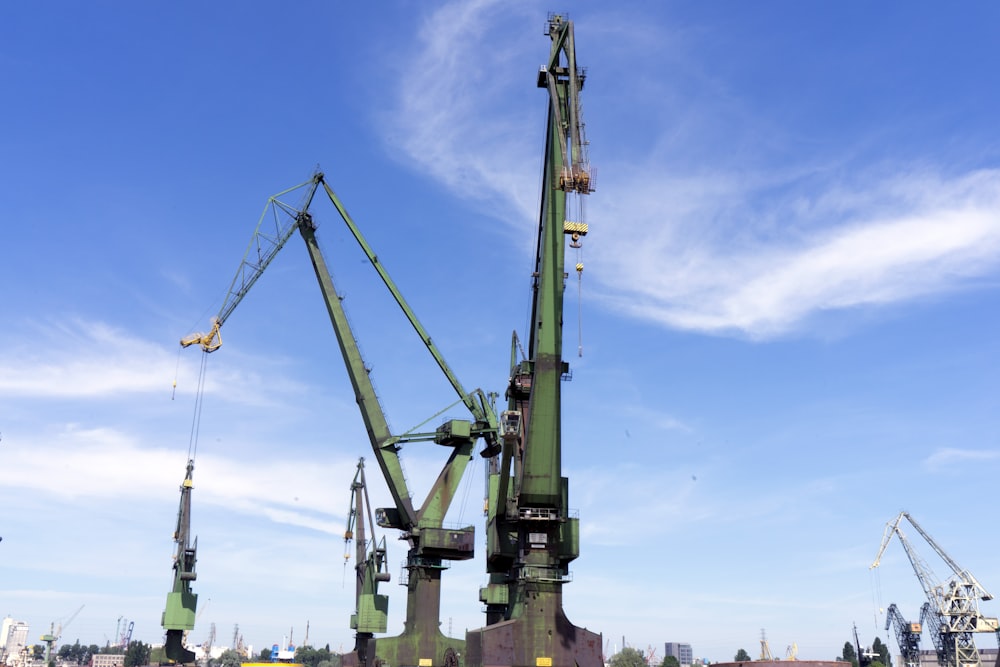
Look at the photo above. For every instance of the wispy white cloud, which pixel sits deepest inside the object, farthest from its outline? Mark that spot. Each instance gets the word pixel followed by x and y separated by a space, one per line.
pixel 82 359
pixel 949 457
pixel 657 419
pixel 104 464
pixel 895 240
pixel 94 360
pixel 445 120
pixel 607 499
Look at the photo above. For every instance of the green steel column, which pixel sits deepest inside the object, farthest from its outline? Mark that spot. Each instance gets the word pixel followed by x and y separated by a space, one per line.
pixel 364 391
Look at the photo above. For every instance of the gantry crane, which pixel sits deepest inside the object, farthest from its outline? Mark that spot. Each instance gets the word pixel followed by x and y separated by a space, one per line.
pixel 430 543
pixel 531 535
pixel 371 609
pixel 951 613
pixel 179 614
pixel 907 635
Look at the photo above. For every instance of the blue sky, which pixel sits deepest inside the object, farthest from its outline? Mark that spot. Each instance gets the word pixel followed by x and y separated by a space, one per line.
pixel 788 313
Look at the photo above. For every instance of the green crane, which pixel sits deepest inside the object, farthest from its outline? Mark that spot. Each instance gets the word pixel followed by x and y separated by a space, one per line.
pixel 371 610
pixel 179 615
pixel 430 543
pixel 531 537
pixel 54 634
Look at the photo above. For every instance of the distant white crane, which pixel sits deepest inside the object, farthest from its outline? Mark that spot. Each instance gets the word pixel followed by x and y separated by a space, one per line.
pixel 952 609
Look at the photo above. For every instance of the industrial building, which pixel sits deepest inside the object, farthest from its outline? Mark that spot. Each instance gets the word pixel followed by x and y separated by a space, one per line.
pixel 107 660
pixel 13 638
pixel 929 658
pixel 683 652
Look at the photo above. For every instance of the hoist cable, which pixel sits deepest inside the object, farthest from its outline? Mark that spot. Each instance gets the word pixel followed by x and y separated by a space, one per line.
pixel 177 370
pixel 876 582
pixel 577 244
pixel 465 493
pixel 198 401
pixel 579 301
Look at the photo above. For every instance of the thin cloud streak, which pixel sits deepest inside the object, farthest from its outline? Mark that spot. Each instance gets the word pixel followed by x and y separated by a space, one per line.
pixel 82 359
pixel 90 359
pixel 101 464
pixel 459 74
pixel 950 456
pixel 932 236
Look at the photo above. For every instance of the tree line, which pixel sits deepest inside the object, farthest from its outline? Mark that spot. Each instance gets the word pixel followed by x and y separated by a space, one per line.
pixel 631 657
pixel 136 654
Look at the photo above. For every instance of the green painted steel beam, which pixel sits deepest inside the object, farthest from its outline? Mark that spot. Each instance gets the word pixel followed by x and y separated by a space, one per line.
pixel 179 614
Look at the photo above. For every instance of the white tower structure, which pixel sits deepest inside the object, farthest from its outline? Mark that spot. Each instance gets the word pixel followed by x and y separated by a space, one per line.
pixel 13 638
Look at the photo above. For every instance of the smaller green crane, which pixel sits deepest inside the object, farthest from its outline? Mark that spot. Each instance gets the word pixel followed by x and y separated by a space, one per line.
pixel 179 615
pixel 372 610
pixel 54 634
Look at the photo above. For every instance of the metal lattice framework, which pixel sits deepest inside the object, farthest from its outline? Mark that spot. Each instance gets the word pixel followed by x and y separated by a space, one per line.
pixel 952 609
pixel 907 636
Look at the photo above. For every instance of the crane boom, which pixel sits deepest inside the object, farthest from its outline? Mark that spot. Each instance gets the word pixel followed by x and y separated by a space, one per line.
pixel 963 575
pixel 925 576
pixel 382 441
pixel 476 401
pixel 430 543
pixel 269 237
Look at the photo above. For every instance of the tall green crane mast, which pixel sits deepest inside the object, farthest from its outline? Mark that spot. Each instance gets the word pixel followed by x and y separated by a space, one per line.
pixel 531 537
pixel 430 543
pixel 179 615
pixel 952 609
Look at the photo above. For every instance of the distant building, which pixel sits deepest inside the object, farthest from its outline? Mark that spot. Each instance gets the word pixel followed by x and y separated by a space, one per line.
pixel 682 652
pixel 13 638
pixel 107 660
pixel 929 658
